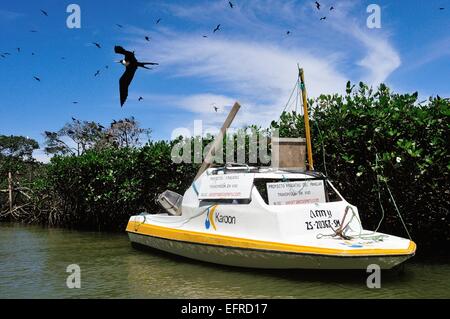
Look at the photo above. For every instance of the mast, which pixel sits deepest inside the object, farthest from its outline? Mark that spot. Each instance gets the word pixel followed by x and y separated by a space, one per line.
pixel 306 117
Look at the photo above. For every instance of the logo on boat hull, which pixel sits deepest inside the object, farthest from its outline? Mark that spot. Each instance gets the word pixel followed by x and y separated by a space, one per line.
pixel 209 218
pixel 213 217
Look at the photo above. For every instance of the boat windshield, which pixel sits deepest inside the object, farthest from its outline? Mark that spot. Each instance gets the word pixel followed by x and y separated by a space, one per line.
pixel 294 191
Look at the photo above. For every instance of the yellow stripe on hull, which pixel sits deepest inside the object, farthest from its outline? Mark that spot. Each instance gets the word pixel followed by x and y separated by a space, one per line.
pixel 227 241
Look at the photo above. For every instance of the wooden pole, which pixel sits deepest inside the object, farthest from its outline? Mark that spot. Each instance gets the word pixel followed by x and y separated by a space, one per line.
pixel 219 139
pixel 306 116
pixel 10 191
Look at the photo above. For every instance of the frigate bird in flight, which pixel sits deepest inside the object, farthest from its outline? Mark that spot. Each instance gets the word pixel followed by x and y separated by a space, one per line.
pixel 131 64
pixel 44 13
pixel 97 45
pixel 217 28
pixel 317 5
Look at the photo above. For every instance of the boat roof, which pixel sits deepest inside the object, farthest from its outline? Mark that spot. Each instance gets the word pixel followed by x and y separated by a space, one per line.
pixel 265 172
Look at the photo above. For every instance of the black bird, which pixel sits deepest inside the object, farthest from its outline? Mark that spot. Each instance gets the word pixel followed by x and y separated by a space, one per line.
pixel 74 119
pixel 288 32
pixel 231 4
pixel 131 64
pixel 75 102
pixel 215 108
pixel 317 5
pixel 3 56
pixel 37 79
pixel 323 18
pixel 6 53
pixel 158 21
pixel 44 13
pixel 441 8
pixel 205 36
pixel 106 66
pixel 32 53
pixel 18 50
pixel 147 38
pixel 33 31
pixel 140 98
pixel 331 8
pixel 119 25
pixel 97 73
pixel 217 28
pixel 97 45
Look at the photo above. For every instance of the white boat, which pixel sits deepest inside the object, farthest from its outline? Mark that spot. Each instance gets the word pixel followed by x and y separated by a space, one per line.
pixel 268 217
pixel 252 232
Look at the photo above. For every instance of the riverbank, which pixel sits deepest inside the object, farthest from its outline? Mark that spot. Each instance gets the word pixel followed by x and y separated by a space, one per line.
pixel 34 262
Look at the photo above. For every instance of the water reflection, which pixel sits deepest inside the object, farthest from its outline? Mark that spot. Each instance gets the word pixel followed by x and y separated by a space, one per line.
pixel 33 263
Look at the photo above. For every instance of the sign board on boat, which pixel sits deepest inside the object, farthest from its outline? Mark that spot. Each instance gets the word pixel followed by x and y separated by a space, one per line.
pixel 295 193
pixel 226 186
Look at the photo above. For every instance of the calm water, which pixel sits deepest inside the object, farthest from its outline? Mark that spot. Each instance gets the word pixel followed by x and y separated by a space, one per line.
pixel 33 263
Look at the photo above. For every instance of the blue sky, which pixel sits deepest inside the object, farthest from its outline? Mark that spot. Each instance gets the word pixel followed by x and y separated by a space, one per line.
pixel 251 59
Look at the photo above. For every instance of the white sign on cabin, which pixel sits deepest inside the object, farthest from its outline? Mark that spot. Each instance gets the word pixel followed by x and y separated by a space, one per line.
pixel 226 186
pixel 295 193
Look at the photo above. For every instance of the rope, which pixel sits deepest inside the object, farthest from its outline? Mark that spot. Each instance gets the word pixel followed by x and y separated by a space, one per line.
pixel 290 97
pixel 323 149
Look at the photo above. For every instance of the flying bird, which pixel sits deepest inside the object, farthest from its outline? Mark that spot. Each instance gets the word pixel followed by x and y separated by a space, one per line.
pixel 18 50
pixel 158 21
pixel 217 28
pixel 441 8
pixel 131 64
pixel 231 4
pixel 288 32
pixel 119 25
pixel 205 36
pixel 331 8
pixel 74 102
pixel 97 73
pixel 147 38
pixel 97 45
pixel 44 13
pixel 215 108
pixel 33 31
pixel 37 79
pixel 317 5
pixel 323 18
pixel 140 98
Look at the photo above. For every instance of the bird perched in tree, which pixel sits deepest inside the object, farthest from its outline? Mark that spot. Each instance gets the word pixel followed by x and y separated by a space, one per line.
pixel 217 28
pixel 131 64
pixel 317 5
pixel 97 45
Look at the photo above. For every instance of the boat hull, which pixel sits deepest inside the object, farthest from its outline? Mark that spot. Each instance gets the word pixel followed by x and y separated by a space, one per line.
pixel 263 259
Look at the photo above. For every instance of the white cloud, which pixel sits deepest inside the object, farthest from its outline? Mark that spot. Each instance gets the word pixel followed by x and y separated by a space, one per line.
pixel 260 70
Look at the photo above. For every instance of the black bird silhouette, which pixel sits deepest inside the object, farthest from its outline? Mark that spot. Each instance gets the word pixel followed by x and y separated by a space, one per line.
pixel 33 31
pixel 6 53
pixel 205 36
pixel 441 8
pixel 37 79
pixel 147 38
pixel 140 98
pixel 3 56
pixel 231 4
pixel 317 5
pixel 44 13
pixel 119 25
pixel 106 66
pixel 131 64
pixel 97 45
pixel 18 50
pixel 74 102
pixel 323 18
pixel 288 32
pixel 217 28
pixel 74 119
pixel 215 108
pixel 331 8
pixel 158 21
pixel 97 73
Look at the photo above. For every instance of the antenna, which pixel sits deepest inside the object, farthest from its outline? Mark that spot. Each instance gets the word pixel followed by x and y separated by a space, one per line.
pixel 301 76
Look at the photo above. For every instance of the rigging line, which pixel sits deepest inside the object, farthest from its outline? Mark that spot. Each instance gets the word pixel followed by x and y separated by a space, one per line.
pixel 379 194
pixel 398 211
pixel 290 97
